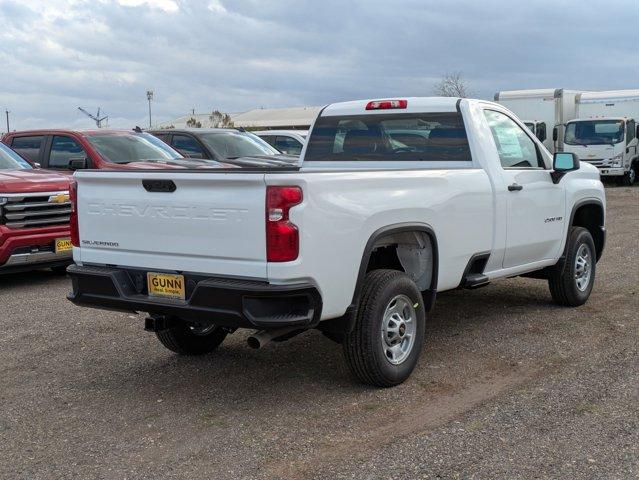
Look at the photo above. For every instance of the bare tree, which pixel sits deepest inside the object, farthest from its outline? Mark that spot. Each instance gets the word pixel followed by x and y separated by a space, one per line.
pixel 193 123
pixel 220 120
pixel 452 84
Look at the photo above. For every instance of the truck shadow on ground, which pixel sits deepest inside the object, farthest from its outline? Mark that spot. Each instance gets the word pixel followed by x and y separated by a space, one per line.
pixel 310 362
pixel 33 278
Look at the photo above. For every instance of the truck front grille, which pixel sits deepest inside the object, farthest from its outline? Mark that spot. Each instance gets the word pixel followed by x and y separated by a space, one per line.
pixel 32 210
pixel 597 162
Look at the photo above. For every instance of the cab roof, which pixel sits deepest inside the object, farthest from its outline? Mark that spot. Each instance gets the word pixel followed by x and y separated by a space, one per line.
pixel 58 131
pixel 413 105
pixel 193 130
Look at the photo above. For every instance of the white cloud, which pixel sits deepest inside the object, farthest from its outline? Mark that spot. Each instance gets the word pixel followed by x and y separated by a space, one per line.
pixel 166 5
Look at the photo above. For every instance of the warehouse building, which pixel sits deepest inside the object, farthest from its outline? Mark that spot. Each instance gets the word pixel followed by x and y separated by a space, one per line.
pixel 260 118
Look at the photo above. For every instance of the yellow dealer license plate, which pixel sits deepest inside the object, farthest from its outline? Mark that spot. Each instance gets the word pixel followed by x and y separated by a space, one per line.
pixel 166 285
pixel 63 245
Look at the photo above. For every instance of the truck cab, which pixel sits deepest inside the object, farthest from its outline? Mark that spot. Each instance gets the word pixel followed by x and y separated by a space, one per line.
pixel 609 143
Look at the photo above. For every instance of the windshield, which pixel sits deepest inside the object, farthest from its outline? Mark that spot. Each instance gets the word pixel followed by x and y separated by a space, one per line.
pixel 10 160
pixel 531 126
pixel 237 144
pixel 594 132
pixel 132 147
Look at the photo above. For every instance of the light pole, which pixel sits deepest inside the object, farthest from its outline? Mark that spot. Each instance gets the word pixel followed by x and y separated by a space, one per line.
pixel 149 97
pixel 7 112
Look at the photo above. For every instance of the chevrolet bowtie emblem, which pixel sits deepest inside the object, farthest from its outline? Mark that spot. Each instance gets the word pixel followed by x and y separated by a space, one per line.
pixel 59 198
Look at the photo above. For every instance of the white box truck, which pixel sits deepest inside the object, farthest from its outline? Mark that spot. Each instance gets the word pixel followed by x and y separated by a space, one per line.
pixel 604 133
pixel 542 110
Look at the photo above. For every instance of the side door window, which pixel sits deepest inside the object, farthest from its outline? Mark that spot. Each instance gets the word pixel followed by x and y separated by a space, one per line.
pixel 515 148
pixel 63 150
pixel 288 145
pixel 163 136
pixel 188 146
pixel 270 139
pixel 29 147
pixel 630 131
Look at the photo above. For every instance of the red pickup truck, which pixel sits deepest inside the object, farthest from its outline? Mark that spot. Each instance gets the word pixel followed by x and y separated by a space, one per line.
pixel 70 150
pixel 34 216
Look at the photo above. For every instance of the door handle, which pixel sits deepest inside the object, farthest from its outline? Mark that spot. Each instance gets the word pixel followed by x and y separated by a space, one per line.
pixel 515 187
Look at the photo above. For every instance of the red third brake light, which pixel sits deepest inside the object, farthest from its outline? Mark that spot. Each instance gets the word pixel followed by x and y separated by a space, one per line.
pixel 386 104
pixel 73 219
pixel 282 237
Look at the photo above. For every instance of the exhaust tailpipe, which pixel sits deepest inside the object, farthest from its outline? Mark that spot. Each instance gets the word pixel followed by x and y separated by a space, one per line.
pixel 262 337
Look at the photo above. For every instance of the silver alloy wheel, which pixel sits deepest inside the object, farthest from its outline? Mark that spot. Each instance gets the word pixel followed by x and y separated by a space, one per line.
pixel 632 175
pixel 398 329
pixel 583 267
pixel 201 331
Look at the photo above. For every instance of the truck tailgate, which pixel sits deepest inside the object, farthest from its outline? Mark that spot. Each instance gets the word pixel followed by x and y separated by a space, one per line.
pixel 210 223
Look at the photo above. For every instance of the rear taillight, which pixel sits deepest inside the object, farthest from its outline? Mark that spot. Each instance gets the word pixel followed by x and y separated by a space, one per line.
pixel 386 104
pixel 282 237
pixel 73 220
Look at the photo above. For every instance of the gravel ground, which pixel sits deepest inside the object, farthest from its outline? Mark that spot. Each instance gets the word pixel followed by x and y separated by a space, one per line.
pixel 509 386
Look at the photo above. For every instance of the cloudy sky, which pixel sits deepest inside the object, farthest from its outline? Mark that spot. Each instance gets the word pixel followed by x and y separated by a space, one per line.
pixel 234 55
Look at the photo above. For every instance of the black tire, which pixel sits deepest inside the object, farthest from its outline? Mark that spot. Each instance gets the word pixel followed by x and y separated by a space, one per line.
pixel 364 349
pixel 562 280
pixel 186 340
pixel 628 179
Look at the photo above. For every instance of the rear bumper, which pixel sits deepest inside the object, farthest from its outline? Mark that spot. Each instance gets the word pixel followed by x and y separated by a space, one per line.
pixel 225 302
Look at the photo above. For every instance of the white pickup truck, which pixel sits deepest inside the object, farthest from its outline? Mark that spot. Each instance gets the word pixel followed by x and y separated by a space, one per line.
pixel 392 201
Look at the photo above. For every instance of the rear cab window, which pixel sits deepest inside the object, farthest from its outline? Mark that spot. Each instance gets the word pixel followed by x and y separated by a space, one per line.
pixel 412 137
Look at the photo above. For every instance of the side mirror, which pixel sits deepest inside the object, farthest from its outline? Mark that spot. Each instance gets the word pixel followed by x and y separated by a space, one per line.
pixel 78 163
pixel 555 134
pixel 541 131
pixel 562 163
pixel 36 165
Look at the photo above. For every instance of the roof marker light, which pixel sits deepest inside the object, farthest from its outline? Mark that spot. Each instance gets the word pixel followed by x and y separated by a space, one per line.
pixel 386 104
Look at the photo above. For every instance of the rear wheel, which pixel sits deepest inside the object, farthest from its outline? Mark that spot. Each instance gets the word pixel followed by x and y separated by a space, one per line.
pixel 186 339
pixel 385 344
pixel 571 283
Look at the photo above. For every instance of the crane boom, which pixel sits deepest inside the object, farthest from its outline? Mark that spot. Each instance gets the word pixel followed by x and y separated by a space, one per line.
pixel 96 118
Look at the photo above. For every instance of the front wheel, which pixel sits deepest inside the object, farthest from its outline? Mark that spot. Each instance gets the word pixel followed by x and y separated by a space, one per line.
pixel 630 177
pixel 187 339
pixel 571 283
pixel 384 346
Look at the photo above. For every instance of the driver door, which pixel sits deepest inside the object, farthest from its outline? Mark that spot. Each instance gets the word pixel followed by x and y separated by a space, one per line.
pixel 536 206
